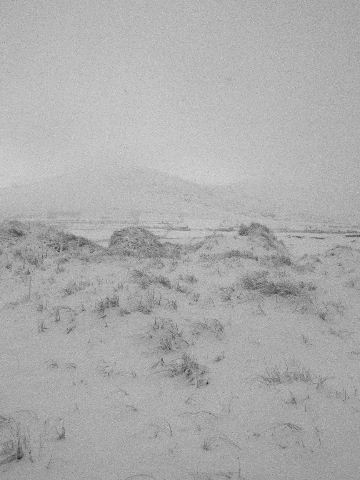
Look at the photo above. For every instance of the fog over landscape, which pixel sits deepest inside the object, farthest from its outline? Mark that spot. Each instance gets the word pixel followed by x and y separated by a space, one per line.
pixel 179 240
pixel 265 93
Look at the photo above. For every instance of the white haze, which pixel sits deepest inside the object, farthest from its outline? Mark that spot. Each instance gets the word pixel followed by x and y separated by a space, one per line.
pixel 262 92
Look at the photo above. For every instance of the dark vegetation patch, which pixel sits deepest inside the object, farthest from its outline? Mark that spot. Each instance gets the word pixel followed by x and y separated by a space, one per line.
pixel 139 242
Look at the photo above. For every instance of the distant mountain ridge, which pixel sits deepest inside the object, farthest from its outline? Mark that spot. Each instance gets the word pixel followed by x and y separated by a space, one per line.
pixel 102 190
pixel 117 190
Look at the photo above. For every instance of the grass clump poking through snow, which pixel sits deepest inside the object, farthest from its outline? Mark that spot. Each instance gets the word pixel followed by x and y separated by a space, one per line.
pixel 260 281
pixel 211 325
pixel 167 333
pixel 141 243
pixel 147 302
pixel 12 441
pixel 190 368
pixel 17 439
pixel 255 228
pixel 105 303
pixel 141 278
pixel 144 280
pixel 163 281
pixel 295 374
pixel 75 286
pixel 233 254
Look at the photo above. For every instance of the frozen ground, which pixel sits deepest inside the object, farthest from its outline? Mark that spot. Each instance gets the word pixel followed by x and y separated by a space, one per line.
pixel 237 359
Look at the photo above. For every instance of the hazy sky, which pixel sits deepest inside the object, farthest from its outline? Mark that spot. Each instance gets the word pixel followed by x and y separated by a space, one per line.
pixel 211 90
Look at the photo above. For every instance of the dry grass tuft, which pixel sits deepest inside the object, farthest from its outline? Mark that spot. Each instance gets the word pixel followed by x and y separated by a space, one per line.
pixel 75 286
pixel 190 368
pixel 210 325
pixel 141 243
pixel 284 287
pixel 145 280
pixel 233 254
pixel 167 333
pixel 13 441
pixel 295 374
pixel 105 303
pixel 17 437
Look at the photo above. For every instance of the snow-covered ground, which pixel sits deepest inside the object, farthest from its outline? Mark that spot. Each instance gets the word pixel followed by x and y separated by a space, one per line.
pixel 238 359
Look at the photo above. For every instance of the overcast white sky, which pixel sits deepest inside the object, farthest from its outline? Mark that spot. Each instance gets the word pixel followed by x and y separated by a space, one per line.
pixel 211 90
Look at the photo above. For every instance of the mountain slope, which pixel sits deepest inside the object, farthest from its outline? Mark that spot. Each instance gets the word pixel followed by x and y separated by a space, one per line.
pixel 101 191
pixel 117 190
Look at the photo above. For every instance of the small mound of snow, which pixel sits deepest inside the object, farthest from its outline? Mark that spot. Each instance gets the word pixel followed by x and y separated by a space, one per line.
pixel 258 243
pixel 139 242
pixel 260 233
pixel 19 234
